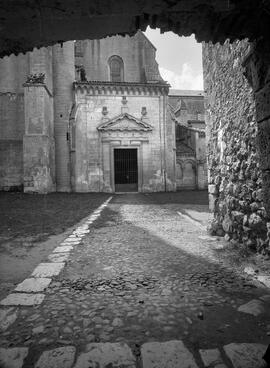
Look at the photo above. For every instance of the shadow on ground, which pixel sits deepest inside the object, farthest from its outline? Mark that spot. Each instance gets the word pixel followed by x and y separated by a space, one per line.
pixel 124 283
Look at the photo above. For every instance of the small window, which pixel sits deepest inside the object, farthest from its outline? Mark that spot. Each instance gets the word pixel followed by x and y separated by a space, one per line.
pixel 116 67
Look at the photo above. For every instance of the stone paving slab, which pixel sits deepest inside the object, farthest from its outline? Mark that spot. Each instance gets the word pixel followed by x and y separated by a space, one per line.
pixel 13 357
pixel 212 358
pixel 34 285
pixel 57 358
pixel 7 317
pixel 63 244
pixel 254 307
pixel 246 355
pixel 106 355
pixel 170 354
pixel 71 241
pixel 48 269
pixel 63 249
pixel 23 299
pixel 58 257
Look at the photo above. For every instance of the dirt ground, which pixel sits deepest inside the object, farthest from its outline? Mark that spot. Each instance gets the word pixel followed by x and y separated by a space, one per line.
pixel 31 225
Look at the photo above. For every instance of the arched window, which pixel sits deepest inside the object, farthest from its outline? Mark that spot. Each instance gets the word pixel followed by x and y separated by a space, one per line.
pixel 116 67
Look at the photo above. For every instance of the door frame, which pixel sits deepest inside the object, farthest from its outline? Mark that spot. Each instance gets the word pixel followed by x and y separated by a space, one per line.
pixel 138 147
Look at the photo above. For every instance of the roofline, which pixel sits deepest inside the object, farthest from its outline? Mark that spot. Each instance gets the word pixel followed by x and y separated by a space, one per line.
pixel 187 93
pixel 141 32
pixel 108 83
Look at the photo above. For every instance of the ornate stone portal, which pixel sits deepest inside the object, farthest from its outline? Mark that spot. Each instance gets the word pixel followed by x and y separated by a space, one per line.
pixel 124 132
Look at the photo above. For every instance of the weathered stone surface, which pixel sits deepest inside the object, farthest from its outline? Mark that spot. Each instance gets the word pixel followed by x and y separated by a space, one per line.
pixel 212 358
pixel 104 355
pixel 38 330
pixel 63 249
pixel 23 299
pixel 208 238
pixel 233 160
pixel 171 354
pixel 65 243
pixel 246 355
pixel 13 357
pixel 254 307
pixel 48 269
pixel 58 257
pixel 71 241
pixel 249 270
pixel 212 189
pixel 264 279
pixel 57 358
pixel 7 317
pixel 33 285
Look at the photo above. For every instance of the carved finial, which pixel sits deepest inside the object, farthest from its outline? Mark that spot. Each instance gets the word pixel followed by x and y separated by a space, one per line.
pixel 144 111
pixel 83 74
pixel 124 108
pixel 124 100
pixel 104 110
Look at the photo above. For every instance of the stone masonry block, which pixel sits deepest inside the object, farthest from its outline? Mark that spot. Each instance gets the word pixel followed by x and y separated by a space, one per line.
pixel 48 269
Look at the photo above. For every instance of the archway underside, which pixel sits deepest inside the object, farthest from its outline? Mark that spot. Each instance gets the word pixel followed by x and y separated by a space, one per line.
pixel 26 24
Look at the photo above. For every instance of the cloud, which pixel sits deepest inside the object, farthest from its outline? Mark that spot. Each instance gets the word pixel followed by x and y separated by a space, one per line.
pixel 187 79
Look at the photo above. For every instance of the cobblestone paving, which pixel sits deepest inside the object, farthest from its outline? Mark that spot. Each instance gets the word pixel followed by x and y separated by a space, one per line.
pixel 141 275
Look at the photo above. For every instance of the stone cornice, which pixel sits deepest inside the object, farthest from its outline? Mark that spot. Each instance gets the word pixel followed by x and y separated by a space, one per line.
pixel 38 85
pixel 120 88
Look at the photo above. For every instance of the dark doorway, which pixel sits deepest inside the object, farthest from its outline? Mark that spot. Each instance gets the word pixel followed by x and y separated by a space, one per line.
pixel 126 170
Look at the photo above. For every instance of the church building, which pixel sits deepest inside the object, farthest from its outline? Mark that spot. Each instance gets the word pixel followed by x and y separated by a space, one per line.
pixel 96 116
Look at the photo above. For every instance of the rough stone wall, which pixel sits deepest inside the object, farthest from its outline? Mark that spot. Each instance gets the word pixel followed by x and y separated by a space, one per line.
pixel 137 53
pixel 235 179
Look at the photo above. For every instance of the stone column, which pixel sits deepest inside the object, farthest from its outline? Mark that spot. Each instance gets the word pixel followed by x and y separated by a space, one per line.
pixel 257 71
pixel 63 77
pixel 38 141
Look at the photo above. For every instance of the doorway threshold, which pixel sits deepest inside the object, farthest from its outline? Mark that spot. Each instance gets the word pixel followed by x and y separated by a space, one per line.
pixel 126 192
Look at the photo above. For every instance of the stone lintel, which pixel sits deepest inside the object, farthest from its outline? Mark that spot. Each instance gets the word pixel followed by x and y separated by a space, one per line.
pixel 118 140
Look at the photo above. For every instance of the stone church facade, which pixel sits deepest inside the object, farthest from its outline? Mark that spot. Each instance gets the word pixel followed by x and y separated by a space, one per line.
pixel 102 120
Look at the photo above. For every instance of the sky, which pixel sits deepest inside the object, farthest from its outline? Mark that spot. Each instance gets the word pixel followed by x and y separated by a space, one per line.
pixel 179 59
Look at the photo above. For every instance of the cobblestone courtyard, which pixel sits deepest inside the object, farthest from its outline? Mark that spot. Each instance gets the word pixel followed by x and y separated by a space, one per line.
pixel 137 279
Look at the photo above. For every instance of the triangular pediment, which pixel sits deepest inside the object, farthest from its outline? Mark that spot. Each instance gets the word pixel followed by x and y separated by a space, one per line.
pixel 125 122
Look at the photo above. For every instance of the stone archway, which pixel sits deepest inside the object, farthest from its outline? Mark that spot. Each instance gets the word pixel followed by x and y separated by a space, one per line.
pixel 28 24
